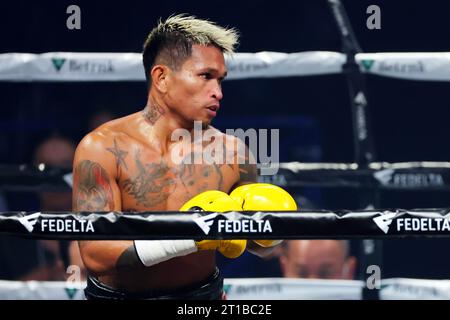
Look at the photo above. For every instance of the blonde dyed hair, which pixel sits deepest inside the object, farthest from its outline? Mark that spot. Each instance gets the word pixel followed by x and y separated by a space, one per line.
pixel 170 42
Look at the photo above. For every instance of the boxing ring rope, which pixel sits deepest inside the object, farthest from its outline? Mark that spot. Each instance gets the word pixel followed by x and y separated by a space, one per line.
pixel 413 176
pixel 254 289
pixel 74 66
pixel 152 225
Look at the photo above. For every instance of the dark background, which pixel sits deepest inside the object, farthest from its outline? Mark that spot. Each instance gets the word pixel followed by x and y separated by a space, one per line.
pixel 410 119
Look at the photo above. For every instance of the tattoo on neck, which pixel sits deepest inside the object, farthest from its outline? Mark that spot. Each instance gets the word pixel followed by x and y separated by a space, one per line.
pixel 152 112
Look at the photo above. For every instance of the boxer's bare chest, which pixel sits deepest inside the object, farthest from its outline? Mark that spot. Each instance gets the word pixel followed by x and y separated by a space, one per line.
pixel 151 181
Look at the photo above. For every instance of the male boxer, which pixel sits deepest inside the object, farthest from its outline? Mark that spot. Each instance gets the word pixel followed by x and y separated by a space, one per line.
pixel 128 165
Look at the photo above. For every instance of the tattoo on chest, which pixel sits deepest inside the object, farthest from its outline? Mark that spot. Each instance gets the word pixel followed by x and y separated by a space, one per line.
pixel 197 178
pixel 152 183
pixel 93 190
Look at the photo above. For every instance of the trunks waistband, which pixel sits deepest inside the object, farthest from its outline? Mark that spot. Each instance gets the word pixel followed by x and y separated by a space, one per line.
pixel 209 289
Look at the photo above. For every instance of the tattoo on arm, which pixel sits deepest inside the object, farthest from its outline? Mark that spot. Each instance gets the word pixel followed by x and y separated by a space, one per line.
pixel 93 191
pixel 152 113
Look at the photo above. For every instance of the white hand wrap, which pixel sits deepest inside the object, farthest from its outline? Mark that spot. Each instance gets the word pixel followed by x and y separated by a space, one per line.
pixel 152 252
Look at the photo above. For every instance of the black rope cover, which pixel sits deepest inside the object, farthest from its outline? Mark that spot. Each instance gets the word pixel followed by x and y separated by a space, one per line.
pixel 230 225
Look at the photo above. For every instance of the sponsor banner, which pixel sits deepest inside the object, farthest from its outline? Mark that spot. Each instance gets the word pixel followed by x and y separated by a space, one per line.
pixel 255 289
pixel 236 289
pixel 277 64
pixel 398 223
pixel 407 65
pixel 400 176
pixel 405 179
pixel 72 66
pixel 41 290
pixel 407 289
pixel 292 289
pixel 320 224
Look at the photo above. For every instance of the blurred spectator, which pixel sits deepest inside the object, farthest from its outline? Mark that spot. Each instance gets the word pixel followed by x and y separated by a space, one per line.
pixel 43 260
pixel 55 151
pixel 59 152
pixel 317 259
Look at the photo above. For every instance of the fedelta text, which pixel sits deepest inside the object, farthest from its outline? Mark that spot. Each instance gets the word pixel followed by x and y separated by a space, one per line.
pixel 422 224
pixel 248 226
pixel 66 225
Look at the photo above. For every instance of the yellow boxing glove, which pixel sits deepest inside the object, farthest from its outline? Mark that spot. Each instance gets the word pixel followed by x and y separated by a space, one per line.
pixel 217 201
pixel 264 197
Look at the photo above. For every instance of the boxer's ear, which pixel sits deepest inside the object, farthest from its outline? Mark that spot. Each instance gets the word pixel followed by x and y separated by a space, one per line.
pixel 159 75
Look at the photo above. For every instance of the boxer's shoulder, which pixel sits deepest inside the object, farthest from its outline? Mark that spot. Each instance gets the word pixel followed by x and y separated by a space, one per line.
pixel 118 129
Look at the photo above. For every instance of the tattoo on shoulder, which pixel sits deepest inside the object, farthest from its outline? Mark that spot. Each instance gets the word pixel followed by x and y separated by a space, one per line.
pixel 120 157
pixel 152 113
pixel 92 190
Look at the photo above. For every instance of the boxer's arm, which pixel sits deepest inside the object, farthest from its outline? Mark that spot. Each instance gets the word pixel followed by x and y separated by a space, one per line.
pixel 95 189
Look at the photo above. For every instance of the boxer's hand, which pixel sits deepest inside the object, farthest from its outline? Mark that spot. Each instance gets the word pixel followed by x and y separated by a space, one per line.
pixel 216 201
pixel 264 197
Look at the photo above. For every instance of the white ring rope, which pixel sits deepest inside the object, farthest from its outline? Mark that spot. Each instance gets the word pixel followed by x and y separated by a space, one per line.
pixel 72 66
pixel 254 289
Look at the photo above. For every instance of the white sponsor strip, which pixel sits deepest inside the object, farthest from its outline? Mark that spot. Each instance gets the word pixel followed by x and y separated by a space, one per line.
pixel 434 66
pixel 255 289
pixel 293 289
pixel 72 66
pixel 277 64
pixel 407 289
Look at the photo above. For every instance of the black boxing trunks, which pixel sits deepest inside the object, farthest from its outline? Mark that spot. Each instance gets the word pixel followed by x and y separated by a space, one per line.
pixel 210 289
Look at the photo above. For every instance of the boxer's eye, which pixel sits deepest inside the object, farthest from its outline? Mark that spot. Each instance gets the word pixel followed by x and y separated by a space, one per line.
pixel 206 75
